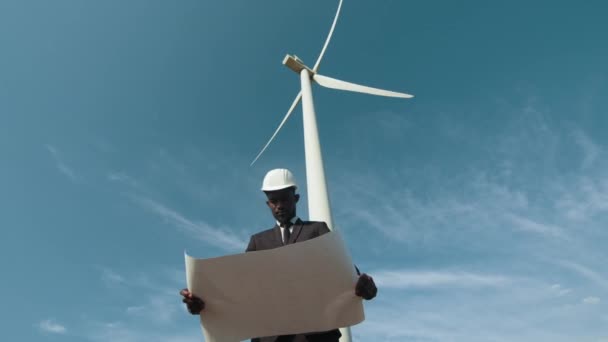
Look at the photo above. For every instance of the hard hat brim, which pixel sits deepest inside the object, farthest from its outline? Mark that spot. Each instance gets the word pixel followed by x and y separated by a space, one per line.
pixel 279 187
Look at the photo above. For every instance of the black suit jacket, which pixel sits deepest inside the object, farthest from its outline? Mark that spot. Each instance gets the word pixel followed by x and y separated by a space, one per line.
pixel 271 238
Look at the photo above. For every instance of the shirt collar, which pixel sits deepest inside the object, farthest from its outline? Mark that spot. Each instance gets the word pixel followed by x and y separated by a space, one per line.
pixel 293 222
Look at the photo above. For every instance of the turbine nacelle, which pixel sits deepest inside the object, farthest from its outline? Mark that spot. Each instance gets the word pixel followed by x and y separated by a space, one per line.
pixel 296 64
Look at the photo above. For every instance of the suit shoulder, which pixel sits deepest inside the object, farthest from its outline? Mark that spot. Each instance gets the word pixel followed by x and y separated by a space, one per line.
pixel 319 226
pixel 313 223
pixel 263 233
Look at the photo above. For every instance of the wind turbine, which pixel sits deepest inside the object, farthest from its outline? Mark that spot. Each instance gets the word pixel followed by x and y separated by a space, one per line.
pixel 318 198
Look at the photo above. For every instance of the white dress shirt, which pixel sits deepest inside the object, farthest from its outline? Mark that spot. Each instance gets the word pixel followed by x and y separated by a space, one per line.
pixel 293 222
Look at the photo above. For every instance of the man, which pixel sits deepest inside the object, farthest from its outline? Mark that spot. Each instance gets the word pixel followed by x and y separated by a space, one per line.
pixel 280 188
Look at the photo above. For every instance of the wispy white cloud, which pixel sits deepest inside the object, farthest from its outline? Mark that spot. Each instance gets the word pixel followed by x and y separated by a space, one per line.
pixel 591 151
pixel 51 326
pixel 60 164
pixel 159 307
pixel 529 225
pixel 158 299
pixel 163 281
pixel 202 175
pixel 587 198
pixel 111 278
pixel 139 193
pixel 135 309
pixel 517 309
pixel 400 215
pixel 198 229
pixel 123 178
pixel 586 272
pixel 516 185
pixel 559 290
pixel 591 300
pixel 435 279
pixel 156 314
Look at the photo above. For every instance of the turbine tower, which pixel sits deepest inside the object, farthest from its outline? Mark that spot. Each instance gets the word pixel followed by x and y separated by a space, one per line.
pixel 318 199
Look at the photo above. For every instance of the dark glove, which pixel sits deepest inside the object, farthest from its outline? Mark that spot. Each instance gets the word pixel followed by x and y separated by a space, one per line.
pixel 366 288
pixel 195 305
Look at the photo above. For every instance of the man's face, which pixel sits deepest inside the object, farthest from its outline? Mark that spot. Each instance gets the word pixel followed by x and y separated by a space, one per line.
pixel 282 204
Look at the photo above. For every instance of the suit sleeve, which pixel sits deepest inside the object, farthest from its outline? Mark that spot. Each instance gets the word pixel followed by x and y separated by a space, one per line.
pixel 324 336
pixel 322 228
pixel 251 247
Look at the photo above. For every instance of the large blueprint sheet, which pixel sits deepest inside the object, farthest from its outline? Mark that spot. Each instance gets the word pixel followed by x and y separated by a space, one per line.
pixel 302 287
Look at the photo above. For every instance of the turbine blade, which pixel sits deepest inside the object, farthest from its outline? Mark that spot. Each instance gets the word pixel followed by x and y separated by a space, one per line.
pixel 331 31
pixel 333 83
pixel 293 105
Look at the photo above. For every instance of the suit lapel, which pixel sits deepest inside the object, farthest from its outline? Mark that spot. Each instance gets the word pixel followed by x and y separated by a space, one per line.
pixel 277 237
pixel 297 228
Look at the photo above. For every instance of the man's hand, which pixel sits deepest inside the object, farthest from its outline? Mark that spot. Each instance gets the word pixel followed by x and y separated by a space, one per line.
pixel 366 288
pixel 195 305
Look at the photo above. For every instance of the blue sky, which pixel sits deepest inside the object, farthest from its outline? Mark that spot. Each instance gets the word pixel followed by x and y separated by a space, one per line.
pixel 480 206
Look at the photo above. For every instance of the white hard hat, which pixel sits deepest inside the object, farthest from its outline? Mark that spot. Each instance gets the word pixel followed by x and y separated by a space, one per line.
pixel 278 179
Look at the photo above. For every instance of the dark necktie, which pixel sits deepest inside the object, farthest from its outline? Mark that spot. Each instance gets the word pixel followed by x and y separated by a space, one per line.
pixel 287 234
